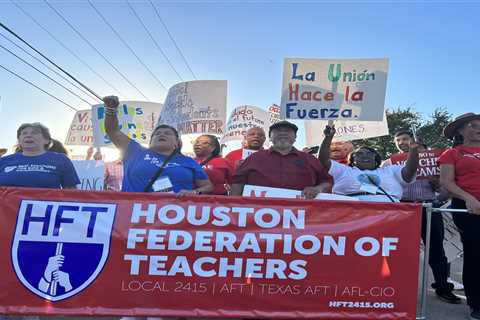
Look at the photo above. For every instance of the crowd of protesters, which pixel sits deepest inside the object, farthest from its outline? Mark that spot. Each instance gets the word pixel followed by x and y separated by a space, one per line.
pixel 339 169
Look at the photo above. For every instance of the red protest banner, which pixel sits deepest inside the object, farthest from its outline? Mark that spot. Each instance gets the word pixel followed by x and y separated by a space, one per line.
pixel 427 163
pixel 102 253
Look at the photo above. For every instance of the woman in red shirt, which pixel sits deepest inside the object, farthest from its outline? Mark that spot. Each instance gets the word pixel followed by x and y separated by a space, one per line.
pixel 460 175
pixel 207 154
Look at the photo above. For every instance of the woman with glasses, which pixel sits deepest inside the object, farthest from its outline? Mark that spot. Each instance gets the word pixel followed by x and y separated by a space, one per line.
pixel 33 165
pixel 363 178
pixel 207 155
pixel 460 175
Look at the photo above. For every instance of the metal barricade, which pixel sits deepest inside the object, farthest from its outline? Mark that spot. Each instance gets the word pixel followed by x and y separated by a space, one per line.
pixel 424 284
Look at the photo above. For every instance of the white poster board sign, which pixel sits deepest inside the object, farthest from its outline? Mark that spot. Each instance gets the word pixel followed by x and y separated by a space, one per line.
pixel 80 132
pixel 196 107
pixel 268 192
pixel 326 89
pixel 136 119
pixel 90 173
pixel 345 130
pixel 244 118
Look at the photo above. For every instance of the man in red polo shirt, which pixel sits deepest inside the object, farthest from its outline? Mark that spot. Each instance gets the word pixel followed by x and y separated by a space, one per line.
pixel 254 140
pixel 282 166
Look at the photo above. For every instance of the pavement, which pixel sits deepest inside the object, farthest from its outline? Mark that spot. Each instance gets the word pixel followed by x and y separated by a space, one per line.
pixel 439 310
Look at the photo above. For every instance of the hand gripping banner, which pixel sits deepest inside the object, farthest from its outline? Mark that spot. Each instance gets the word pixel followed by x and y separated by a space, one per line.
pixel 102 253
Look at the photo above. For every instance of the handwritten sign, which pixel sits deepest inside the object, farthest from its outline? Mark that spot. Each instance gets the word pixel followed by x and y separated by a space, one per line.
pixel 323 89
pixel 243 118
pixel 269 192
pixel 136 119
pixel 196 107
pixel 345 130
pixel 80 132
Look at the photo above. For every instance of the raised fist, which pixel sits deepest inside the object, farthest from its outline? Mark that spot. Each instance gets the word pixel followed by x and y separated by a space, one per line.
pixel 111 102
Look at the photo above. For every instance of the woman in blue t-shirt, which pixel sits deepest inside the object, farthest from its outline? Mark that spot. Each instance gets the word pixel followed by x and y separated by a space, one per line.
pixel 159 168
pixel 35 167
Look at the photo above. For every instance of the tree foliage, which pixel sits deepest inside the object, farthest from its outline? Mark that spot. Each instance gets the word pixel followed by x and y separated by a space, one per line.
pixel 430 130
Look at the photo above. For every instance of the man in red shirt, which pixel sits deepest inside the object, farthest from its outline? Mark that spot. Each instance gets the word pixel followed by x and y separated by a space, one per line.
pixel 254 140
pixel 282 166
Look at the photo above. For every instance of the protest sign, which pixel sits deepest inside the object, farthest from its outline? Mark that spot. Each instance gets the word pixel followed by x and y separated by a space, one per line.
pixel 326 89
pixel 136 119
pixel 243 118
pixel 269 192
pixel 427 162
pixel 196 107
pixel 80 132
pixel 206 256
pixel 91 174
pixel 274 112
pixel 345 130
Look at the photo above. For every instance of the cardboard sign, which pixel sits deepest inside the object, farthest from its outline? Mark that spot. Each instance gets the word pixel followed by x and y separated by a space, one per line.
pixel 206 256
pixel 135 118
pixel 427 163
pixel 196 107
pixel 325 89
pixel 91 174
pixel 345 130
pixel 80 132
pixel 243 118
pixel 269 192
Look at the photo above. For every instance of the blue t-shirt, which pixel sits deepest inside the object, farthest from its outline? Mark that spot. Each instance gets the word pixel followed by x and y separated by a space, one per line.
pixel 48 170
pixel 140 164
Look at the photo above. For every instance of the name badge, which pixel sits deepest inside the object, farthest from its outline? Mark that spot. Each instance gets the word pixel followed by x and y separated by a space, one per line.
pixel 162 184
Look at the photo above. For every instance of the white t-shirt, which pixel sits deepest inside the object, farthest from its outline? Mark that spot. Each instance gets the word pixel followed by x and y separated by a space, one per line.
pixel 350 180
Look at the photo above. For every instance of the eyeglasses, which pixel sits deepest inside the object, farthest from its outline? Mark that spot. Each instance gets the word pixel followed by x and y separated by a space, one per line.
pixel 203 143
pixel 475 126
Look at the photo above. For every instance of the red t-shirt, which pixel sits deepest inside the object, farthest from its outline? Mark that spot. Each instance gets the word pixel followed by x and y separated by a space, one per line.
pixel 466 161
pixel 234 157
pixel 296 170
pixel 220 174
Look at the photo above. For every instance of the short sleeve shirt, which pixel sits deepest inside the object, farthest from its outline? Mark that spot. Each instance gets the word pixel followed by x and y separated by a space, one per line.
pixel 48 170
pixel 349 180
pixel 295 170
pixel 466 161
pixel 220 174
pixel 141 164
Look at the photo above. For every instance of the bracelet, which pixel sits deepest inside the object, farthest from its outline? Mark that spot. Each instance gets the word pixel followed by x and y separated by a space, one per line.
pixel 111 111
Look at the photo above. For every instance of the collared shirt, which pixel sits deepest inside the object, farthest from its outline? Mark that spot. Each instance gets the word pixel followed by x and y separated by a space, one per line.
pixel 295 170
pixel 420 190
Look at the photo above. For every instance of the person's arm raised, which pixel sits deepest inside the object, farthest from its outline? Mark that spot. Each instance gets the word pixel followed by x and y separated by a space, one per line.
pixel 324 154
pixel 119 139
pixel 410 169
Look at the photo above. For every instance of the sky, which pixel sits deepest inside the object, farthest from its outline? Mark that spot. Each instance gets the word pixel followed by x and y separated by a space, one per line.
pixel 432 47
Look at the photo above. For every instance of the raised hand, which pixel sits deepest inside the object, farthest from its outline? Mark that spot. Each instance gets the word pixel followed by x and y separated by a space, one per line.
pixel 329 131
pixel 111 102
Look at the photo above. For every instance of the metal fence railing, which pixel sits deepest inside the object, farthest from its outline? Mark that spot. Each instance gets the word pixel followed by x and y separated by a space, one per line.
pixel 424 284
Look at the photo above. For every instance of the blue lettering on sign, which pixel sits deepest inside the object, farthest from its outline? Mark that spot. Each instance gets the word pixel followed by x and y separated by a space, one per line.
pixel 323 113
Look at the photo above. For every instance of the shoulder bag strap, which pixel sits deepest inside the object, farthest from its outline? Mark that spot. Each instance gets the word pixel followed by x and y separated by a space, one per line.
pixel 159 171
pixel 381 189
